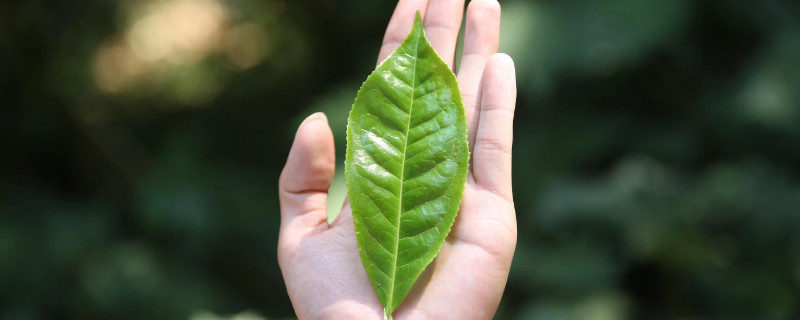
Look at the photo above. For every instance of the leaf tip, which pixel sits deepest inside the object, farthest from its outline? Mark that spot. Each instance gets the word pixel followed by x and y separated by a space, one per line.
pixel 418 21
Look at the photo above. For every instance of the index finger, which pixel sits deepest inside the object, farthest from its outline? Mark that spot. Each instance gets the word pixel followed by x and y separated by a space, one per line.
pixel 400 25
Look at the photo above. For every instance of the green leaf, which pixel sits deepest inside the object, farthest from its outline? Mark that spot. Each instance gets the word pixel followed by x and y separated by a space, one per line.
pixel 406 165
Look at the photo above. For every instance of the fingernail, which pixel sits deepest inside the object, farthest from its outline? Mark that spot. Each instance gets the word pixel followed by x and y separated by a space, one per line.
pixel 316 116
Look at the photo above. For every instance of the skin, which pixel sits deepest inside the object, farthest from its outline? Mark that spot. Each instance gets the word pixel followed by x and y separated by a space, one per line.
pixel 320 262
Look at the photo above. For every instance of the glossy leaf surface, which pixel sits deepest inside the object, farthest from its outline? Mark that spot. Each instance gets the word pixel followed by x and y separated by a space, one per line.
pixel 406 165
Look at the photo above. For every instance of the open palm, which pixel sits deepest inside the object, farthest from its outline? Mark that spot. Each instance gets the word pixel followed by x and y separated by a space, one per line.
pixel 320 262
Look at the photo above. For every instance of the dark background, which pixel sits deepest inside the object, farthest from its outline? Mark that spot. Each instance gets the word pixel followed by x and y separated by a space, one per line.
pixel 655 165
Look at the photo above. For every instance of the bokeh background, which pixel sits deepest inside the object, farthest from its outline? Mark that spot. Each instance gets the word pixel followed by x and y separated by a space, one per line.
pixel 656 160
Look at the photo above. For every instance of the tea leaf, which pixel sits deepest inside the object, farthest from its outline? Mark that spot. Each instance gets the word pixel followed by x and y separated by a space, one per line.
pixel 406 165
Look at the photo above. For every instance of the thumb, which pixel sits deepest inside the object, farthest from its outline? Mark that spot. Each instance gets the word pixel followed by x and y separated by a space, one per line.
pixel 304 182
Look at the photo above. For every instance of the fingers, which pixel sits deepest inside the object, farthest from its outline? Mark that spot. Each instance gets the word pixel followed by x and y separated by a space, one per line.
pixel 442 20
pixel 482 32
pixel 442 24
pixel 481 40
pixel 492 154
pixel 304 182
pixel 400 25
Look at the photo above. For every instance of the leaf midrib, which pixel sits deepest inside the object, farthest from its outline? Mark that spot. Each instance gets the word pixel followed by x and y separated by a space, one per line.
pixel 402 175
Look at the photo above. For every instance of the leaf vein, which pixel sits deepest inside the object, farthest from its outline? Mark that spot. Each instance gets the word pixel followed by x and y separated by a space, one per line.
pixel 376 240
pixel 381 214
pixel 427 202
pixel 424 94
pixel 428 170
pixel 371 158
pixel 393 72
pixel 392 101
pixel 375 263
pixel 386 142
pixel 426 121
pixel 430 134
pixel 422 151
pixel 369 179
pixel 436 226
pixel 402 168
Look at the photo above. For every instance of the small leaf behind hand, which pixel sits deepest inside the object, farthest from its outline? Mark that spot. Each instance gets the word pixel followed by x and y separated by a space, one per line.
pixel 406 165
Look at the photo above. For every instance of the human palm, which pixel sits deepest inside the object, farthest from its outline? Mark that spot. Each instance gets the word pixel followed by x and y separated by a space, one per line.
pixel 320 262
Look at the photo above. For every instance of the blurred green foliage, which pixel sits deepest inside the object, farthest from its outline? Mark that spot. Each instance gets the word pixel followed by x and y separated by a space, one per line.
pixel 656 153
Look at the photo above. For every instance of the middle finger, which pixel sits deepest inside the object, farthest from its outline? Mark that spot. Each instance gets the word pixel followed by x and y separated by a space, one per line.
pixel 442 25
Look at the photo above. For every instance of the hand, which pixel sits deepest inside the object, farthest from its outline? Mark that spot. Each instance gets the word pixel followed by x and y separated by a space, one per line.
pixel 320 262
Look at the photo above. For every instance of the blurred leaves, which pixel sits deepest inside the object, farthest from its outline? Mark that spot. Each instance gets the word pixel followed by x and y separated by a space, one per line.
pixel 655 154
